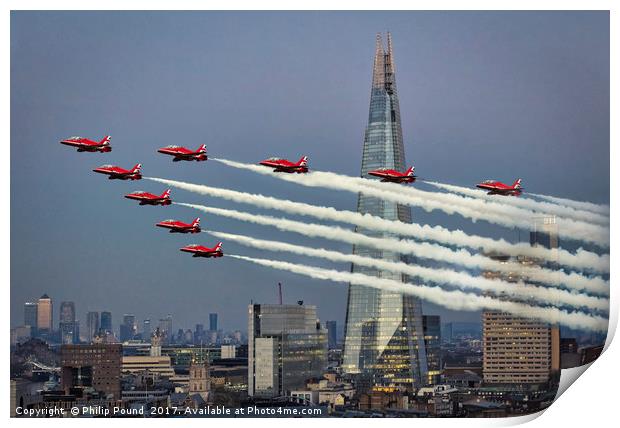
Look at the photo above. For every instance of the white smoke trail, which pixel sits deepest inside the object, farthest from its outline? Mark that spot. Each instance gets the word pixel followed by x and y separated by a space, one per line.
pixel 473 209
pixel 584 260
pixel 562 211
pixel 422 250
pixel 456 300
pixel 579 205
pixel 442 276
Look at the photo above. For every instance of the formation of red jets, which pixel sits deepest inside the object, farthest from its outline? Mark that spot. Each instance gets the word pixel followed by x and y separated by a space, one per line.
pixel 180 153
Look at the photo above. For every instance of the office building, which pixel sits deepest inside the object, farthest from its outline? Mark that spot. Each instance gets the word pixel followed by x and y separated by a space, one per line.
pixel 332 334
pixel 146 329
pixel 517 349
pixel 106 322
pixel 96 366
pixel 199 334
pixel 165 328
pixel 92 325
pixel 384 342
pixel 213 322
pixel 155 365
pixel 128 328
pixel 432 343
pixel 45 312
pixel 68 326
pixel 287 346
pixel 30 314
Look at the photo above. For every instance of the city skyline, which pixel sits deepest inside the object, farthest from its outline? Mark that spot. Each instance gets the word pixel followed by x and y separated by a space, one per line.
pixel 502 92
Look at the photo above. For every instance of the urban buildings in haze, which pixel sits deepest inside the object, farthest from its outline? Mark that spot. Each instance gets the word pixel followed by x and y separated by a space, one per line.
pixel 384 339
pixel 286 347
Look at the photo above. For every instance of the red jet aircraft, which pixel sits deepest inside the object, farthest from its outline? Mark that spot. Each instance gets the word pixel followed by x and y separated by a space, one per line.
pixel 147 198
pixel 283 165
pixel 201 251
pixel 393 176
pixel 86 145
pixel 182 153
pixel 116 173
pixel 177 226
pixel 499 188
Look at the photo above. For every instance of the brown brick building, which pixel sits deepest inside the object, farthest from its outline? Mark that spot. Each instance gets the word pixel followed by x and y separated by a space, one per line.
pixel 96 365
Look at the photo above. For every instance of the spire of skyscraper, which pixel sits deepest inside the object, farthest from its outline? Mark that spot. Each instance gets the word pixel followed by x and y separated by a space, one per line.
pixel 384 343
pixel 378 68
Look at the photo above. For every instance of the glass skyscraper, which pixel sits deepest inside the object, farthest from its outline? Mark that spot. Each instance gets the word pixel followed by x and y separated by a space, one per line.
pixel 384 341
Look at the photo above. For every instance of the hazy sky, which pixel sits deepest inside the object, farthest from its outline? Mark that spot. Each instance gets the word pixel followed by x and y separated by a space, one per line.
pixel 483 95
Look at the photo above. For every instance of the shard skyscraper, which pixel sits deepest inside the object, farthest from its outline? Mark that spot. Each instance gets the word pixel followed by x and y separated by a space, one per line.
pixel 384 341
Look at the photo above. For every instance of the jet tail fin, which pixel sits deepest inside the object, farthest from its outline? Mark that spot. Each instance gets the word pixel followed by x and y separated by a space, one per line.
pixel 303 161
pixel 196 222
pixel 218 247
pixel 202 148
pixel 136 168
pixel 105 141
pixel 166 194
pixel 410 171
pixel 517 184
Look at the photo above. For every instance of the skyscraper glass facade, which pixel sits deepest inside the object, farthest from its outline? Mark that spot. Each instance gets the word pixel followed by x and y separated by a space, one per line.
pixel 384 342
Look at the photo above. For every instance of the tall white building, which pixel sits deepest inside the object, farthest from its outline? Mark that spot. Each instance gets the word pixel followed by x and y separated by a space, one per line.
pixel 286 347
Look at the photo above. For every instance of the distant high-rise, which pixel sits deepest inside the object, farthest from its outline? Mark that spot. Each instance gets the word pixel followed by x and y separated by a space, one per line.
pixel 146 329
pixel 165 327
pixel 432 343
pixel 128 327
pixel 286 347
pixel 45 311
pixel 92 325
pixel 30 314
pixel 106 322
pixel 544 232
pixel 213 322
pixel 69 332
pixel 199 334
pixel 384 342
pixel 332 334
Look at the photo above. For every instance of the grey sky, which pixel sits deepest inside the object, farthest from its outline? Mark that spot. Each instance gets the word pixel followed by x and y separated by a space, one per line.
pixel 483 95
